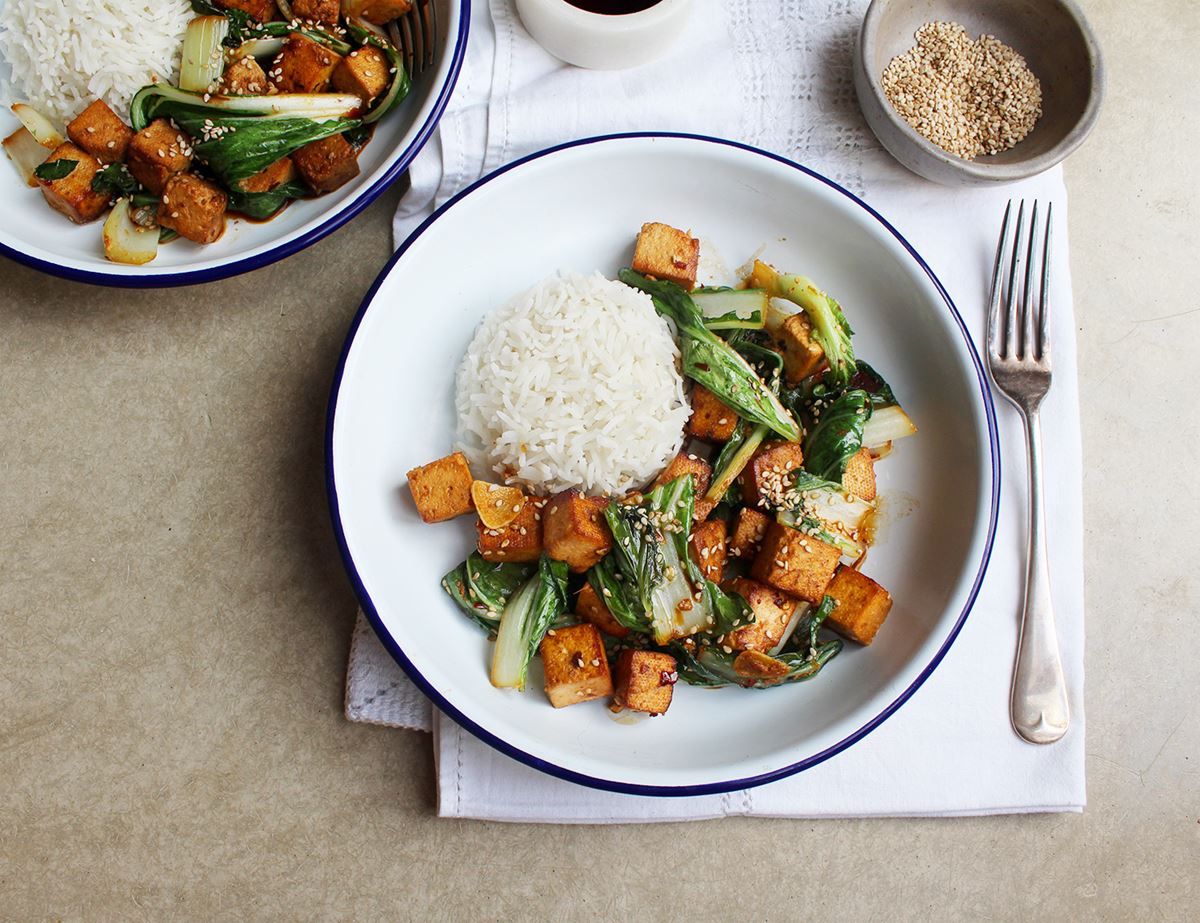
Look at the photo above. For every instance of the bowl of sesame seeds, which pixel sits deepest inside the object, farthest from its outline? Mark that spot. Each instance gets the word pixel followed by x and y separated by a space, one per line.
pixel 966 93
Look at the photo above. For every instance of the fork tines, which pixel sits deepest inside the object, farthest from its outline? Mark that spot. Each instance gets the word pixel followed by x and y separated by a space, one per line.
pixel 416 35
pixel 1017 291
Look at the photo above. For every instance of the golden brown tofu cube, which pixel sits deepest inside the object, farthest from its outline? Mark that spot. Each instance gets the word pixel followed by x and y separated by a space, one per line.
pixel 193 208
pixel 244 77
pixel 520 541
pixel 862 605
pixel 304 66
pixel 100 132
pixel 280 172
pixel 575 665
pixel 317 10
pixel 798 564
pixel 711 418
pixel 365 73
pixel 442 489
pixel 702 509
pixel 645 681
pixel 748 530
pixel 590 607
pixel 73 194
pixel 707 545
pixel 768 477
pixel 664 252
pixel 859 476
pixel 327 164
pixel 683 463
pixel 158 152
pixel 801 354
pixel 381 11
pixel 261 10
pixel 575 531
pixel 772 611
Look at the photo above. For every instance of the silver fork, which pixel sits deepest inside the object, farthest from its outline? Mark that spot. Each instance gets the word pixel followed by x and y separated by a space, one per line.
pixel 1019 359
pixel 416 35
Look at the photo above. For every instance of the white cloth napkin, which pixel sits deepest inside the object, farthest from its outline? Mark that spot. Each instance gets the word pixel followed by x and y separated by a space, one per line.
pixel 776 73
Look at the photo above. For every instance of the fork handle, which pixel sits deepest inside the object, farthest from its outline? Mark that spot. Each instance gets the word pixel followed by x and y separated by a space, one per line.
pixel 1040 713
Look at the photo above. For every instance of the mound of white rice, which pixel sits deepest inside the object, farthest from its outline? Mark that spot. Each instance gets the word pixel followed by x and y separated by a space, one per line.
pixel 574 383
pixel 66 53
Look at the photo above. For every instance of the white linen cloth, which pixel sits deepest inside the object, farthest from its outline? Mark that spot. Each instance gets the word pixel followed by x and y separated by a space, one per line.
pixel 776 74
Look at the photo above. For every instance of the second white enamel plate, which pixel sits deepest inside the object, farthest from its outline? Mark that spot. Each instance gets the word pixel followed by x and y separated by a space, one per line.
pixel 579 208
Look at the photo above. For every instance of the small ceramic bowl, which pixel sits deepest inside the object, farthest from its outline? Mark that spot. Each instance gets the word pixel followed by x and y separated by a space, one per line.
pixel 604 41
pixel 1056 41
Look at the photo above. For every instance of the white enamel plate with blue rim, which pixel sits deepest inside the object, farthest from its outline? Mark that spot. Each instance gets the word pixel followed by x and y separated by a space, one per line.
pixel 32 233
pixel 579 207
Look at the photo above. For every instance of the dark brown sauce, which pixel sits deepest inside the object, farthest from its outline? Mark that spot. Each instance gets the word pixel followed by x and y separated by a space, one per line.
pixel 613 7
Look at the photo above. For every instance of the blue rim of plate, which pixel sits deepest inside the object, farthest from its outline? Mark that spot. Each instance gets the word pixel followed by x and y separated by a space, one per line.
pixel 711 788
pixel 248 264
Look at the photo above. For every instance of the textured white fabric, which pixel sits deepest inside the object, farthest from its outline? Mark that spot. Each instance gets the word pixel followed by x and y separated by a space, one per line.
pixel 776 73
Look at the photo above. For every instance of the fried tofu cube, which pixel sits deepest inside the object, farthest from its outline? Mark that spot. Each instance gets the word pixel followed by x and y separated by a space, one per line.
pixel 702 509
pixel 707 545
pixel 798 564
pixel 772 611
pixel 520 541
pixel 382 11
pixel 748 529
pixel 100 132
pixel 364 73
pixel 442 489
pixel 317 10
pixel 664 252
pixel 802 356
pixel 280 172
pixel 645 681
pixel 684 463
pixel 73 194
pixel 859 476
pixel 575 665
pixel 327 164
pixel 304 66
pixel 591 608
pixel 193 208
pixel 245 77
pixel 712 419
pixel 575 531
pixel 158 152
pixel 862 605
pixel 260 10
pixel 769 475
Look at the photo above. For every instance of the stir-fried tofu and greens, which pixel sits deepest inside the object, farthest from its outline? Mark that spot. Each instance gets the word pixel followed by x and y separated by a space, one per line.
pixel 740 564
pixel 275 102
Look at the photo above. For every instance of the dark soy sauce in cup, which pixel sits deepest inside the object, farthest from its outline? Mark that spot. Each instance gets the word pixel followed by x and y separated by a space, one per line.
pixel 613 7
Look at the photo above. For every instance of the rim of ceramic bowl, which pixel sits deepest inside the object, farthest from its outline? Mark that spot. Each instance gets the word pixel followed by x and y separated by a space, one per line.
pixel 551 768
pixel 287 248
pixel 610 23
pixel 984 171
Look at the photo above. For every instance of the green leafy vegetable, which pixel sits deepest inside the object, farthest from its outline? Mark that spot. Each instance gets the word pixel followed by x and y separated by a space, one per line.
pixel 262 205
pixel 115 180
pixel 245 134
pixel 526 618
pixel 731 308
pixel 837 436
pixel 650 548
pixel 241 26
pixel 867 379
pixel 55 169
pixel 709 666
pixel 831 330
pixel 482 588
pixel 712 362
pixel 611 587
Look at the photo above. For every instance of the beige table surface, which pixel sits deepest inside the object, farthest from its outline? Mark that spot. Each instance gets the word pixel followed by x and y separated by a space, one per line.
pixel 174 618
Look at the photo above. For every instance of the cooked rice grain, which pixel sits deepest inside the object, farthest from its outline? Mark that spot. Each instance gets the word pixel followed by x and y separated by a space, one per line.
pixel 574 383
pixel 66 53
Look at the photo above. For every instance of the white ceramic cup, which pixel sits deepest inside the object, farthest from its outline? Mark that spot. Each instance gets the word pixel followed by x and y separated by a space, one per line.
pixel 602 41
